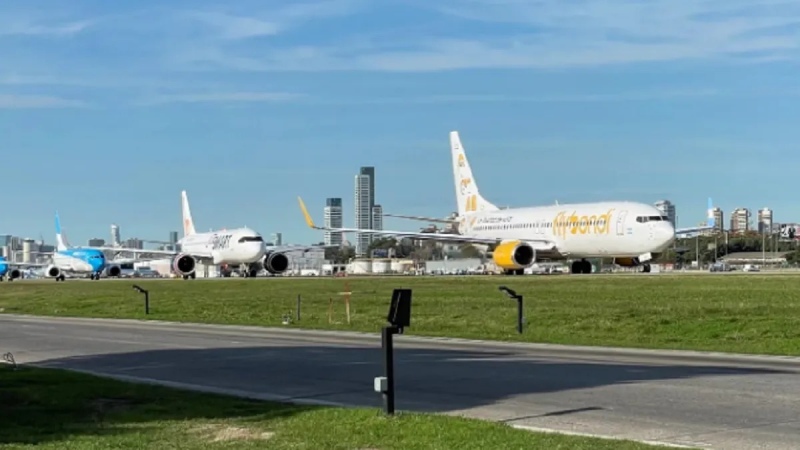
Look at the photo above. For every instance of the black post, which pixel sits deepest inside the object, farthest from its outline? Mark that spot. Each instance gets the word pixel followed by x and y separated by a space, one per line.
pixel 518 297
pixel 387 342
pixel 298 307
pixel 146 298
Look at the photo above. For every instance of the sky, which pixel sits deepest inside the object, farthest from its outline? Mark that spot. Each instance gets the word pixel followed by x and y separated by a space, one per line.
pixel 109 109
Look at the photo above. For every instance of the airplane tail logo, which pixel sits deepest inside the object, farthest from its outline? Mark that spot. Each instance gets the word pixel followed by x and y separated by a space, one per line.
pixel 467 195
pixel 188 224
pixel 61 244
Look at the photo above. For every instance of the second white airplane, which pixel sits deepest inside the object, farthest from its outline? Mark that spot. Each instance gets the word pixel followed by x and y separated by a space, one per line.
pixel 239 246
pixel 633 234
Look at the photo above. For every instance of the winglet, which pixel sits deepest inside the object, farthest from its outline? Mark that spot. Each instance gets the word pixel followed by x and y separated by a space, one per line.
pixel 307 216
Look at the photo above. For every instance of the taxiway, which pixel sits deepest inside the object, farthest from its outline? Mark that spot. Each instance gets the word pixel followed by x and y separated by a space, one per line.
pixel 683 398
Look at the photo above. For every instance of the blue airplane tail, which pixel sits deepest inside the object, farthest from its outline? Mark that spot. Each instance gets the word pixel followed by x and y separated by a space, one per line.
pixel 60 243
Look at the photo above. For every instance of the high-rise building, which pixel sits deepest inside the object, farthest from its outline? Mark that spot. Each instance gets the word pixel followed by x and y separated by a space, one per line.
pixel 377 217
pixel 97 242
pixel 115 239
pixel 363 204
pixel 668 209
pixel 740 220
pixel 173 238
pixel 719 224
pixel 765 221
pixel 333 219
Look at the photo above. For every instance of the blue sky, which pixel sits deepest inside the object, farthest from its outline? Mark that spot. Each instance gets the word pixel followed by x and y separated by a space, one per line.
pixel 109 109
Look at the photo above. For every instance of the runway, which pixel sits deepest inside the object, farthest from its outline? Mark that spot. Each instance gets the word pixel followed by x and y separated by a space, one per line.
pixel 683 398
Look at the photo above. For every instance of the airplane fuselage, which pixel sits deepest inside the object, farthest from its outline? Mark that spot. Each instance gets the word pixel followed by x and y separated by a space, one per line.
pixel 238 246
pixel 583 230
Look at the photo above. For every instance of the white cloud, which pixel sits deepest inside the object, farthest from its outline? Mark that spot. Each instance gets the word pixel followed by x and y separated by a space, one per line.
pixel 222 97
pixel 37 102
pixel 546 34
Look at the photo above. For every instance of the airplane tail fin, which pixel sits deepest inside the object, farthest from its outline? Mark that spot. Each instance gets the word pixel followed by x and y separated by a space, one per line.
pixel 467 195
pixel 188 224
pixel 61 243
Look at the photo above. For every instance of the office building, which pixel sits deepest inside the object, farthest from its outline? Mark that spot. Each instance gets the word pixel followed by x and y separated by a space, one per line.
pixel 719 224
pixel 333 219
pixel 134 243
pixel 173 238
pixel 668 209
pixel 363 205
pixel 740 220
pixel 377 217
pixel 97 242
pixel 764 221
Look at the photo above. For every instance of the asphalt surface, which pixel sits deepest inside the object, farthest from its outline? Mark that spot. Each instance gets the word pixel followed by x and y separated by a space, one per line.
pixel 694 399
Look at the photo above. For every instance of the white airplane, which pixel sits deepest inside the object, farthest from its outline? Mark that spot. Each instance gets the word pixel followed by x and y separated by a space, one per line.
pixel 240 246
pixel 631 233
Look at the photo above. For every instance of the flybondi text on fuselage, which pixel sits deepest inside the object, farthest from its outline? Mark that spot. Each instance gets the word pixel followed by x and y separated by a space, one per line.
pixel 571 223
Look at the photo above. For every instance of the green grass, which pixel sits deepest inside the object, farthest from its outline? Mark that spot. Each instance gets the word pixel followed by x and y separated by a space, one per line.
pixel 746 313
pixel 54 409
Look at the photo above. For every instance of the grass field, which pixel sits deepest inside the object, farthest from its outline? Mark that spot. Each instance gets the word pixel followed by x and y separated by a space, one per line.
pixel 51 409
pixel 747 313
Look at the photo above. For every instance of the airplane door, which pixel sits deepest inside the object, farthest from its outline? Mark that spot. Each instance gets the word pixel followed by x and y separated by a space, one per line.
pixel 621 223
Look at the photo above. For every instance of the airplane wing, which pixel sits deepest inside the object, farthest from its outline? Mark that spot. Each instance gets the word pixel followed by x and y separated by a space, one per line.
pixel 137 250
pixel 23 264
pixel 296 248
pixel 422 218
pixel 538 244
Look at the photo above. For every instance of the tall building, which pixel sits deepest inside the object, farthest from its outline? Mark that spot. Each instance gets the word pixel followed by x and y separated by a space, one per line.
pixel 377 217
pixel 719 225
pixel 740 220
pixel 364 202
pixel 765 221
pixel 173 238
pixel 668 209
pixel 97 242
pixel 115 239
pixel 333 219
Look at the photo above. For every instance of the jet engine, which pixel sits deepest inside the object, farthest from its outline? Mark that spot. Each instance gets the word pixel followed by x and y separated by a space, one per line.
pixel 114 271
pixel 183 264
pixel 514 255
pixel 53 272
pixel 276 263
pixel 13 274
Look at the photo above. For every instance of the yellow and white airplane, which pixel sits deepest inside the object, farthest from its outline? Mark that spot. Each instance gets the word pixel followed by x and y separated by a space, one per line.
pixel 631 233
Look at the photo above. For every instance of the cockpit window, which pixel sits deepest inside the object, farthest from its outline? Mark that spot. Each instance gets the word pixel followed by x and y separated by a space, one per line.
pixel 251 239
pixel 645 219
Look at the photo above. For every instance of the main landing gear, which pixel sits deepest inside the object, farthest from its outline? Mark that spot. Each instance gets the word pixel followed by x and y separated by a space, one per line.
pixel 192 276
pixel 95 276
pixel 582 266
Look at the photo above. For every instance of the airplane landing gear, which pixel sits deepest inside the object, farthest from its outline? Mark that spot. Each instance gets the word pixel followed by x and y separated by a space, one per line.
pixel 646 268
pixel 582 266
pixel 192 276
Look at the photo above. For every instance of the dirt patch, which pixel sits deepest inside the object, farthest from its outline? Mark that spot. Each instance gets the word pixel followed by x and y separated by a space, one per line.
pixel 218 433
